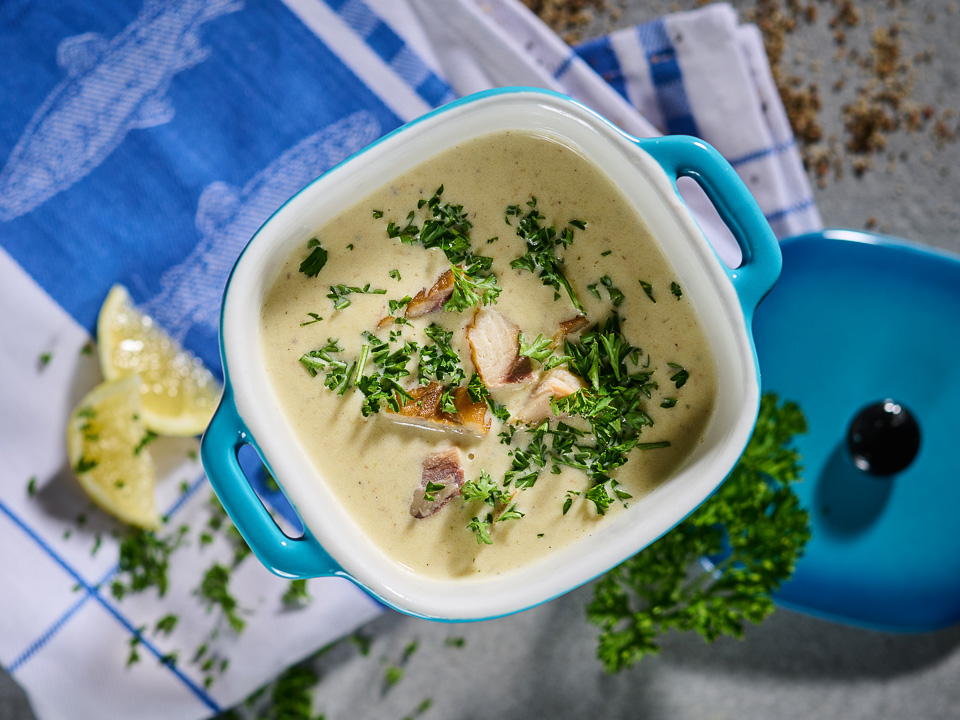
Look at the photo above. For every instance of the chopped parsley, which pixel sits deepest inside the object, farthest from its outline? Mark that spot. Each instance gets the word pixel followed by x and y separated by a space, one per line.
pixel 339 294
pixel 447 228
pixel 215 592
pixel 479 393
pixel 145 561
pixel 395 274
pixel 675 289
pixel 32 486
pixel 680 377
pixel 438 360
pixel 315 261
pixel 542 245
pixel 315 318
pixel 377 214
pixel 648 289
pixel 44 359
pixel 147 438
pixel 166 624
pixel 296 594
pixel 668 402
pixel 430 492
pixel 753 525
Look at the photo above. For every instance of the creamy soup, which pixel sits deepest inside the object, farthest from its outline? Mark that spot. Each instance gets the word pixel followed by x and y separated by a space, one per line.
pixel 492 460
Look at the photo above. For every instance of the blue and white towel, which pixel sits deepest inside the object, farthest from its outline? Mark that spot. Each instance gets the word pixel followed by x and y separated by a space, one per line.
pixel 143 142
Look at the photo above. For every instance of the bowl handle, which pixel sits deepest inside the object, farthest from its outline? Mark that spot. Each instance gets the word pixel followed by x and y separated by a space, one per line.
pixel 683 156
pixel 289 557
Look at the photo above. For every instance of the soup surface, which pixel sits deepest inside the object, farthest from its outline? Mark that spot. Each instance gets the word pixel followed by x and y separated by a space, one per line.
pixel 492 377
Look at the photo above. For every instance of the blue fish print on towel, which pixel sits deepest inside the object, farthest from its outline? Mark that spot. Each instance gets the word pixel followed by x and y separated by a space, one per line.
pixel 227 217
pixel 111 87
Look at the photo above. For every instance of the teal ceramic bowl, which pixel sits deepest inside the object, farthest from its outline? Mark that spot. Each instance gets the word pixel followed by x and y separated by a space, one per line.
pixel 646 171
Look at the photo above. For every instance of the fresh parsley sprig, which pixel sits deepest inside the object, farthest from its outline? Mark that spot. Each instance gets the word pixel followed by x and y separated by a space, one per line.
pixel 338 294
pixel 753 527
pixel 543 243
pixel 314 262
pixel 447 227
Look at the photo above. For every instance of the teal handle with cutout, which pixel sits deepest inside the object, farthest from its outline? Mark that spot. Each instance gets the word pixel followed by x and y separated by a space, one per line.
pixel 286 556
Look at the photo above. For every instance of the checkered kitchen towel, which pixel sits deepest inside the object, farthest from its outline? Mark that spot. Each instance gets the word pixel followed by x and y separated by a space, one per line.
pixel 143 142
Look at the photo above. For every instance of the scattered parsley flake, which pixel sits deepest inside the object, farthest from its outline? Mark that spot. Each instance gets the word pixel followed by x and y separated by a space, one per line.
pixel 148 438
pixel 32 486
pixel 392 676
pixel 296 594
pixel 338 294
pixel 214 590
pixel 680 377
pixel 166 624
pixel 648 289
pixel 668 402
pixel 315 261
pixel 377 214
pixel 44 359
pixel 395 274
pixel 315 318
pixel 675 289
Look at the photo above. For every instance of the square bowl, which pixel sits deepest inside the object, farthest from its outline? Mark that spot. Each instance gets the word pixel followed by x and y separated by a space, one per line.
pixel 724 299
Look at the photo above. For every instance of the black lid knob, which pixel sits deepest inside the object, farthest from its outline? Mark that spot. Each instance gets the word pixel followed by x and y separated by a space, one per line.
pixel 883 438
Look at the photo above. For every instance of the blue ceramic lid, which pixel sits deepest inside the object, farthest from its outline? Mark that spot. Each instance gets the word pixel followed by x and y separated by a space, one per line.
pixel 858 319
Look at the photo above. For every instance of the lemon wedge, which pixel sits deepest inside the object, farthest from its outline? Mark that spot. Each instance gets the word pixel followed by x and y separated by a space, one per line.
pixel 179 393
pixel 106 444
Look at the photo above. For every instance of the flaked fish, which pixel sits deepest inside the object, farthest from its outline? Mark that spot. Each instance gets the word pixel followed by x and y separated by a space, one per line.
pixel 495 349
pixel 424 409
pixel 441 479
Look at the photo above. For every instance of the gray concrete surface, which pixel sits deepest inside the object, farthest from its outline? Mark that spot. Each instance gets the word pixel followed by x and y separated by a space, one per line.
pixel 541 663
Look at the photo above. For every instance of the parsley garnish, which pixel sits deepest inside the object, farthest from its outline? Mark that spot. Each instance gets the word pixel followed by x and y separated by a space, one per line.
pixel 680 377
pixel 430 492
pixel 754 522
pixel 542 245
pixel 316 319
pixel 668 402
pixel 648 289
pixel 478 392
pixel 32 486
pixel 675 289
pixel 482 529
pixel 377 214
pixel 438 360
pixel 338 294
pixel 383 385
pixel 296 594
pixel 144 561
pixel 395 274
pixel 473 285
pixel 44 359
pixel 147 438
pixel 315 261
pixel 538 350
pixel 166 624
pixel 214 590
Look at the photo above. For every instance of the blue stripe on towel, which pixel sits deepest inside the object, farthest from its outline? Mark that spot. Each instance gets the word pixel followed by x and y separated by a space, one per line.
pixel 765 152
pixel 391 48
pixel 89 591
pixel 600 55
pixel 92 592
pixel 667 78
